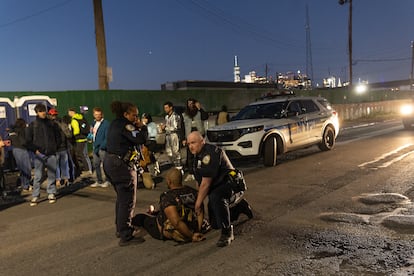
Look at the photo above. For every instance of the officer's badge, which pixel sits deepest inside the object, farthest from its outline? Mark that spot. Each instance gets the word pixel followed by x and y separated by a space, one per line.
pixel 206 159
pixel 130 127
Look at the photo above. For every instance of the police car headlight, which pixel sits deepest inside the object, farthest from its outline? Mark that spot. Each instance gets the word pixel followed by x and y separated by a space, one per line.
pixel 247 130
pixel 406 110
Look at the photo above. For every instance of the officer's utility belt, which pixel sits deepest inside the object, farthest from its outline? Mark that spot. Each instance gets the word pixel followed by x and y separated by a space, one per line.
pixel 131 158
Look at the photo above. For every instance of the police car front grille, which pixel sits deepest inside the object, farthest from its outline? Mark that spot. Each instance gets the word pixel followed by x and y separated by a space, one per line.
pixel 223 135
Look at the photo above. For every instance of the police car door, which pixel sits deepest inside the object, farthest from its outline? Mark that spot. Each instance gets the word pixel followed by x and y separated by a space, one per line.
pixel 315 119
pixel 297 121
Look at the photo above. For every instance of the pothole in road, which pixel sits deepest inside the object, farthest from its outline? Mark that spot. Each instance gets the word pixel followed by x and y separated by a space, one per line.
pixel 392 210
pixel 351 250
pixel 358 245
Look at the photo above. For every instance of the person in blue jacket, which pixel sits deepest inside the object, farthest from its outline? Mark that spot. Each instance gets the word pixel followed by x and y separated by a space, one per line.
pixel 99 131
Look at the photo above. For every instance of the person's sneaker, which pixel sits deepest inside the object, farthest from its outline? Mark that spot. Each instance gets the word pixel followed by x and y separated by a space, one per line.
pixel 26 191
pixel 133 240
pixel 51 198
pixel 104 185
pixel 94 185
pixel 226 237
pixel 34 201
pixel 189 177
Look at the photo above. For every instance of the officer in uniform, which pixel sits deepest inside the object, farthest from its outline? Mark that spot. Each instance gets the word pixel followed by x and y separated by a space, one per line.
pixel 210 166
pixel 122 138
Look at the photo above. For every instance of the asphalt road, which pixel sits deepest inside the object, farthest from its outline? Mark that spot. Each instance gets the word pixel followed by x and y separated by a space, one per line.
pixel 309 220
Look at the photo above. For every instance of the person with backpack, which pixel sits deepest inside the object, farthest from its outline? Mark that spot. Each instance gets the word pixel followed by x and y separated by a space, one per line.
pixel 81 129
pixel 62 155
pixel 176 218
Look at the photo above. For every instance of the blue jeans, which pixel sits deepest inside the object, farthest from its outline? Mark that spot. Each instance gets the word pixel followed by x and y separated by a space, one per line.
pixel 24 165
pixel 98 159
pixel 62 170
pixel 39 165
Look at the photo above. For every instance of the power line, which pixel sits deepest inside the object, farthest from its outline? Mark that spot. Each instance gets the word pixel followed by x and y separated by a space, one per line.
pixel 24 18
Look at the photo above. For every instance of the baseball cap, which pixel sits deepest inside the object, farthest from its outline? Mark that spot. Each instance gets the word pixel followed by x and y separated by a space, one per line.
pixel 53 111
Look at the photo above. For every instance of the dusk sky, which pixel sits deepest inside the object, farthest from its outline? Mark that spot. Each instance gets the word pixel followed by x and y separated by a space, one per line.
pixel 49 45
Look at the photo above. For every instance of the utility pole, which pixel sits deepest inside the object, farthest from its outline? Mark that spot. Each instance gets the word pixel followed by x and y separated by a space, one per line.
pixel 100 45
pixel 341 2
pixel 309 63
pixel 412 65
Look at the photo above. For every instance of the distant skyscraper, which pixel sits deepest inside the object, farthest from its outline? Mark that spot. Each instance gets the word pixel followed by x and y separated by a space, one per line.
pixel 236 70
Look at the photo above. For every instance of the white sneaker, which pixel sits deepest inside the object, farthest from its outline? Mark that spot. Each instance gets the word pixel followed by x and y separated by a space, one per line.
pixel 34 201
pixel 94 185
pixel 104 185
pixel 52 198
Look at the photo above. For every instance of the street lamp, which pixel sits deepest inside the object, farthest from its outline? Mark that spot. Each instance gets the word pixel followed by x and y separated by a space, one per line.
pixel 341 2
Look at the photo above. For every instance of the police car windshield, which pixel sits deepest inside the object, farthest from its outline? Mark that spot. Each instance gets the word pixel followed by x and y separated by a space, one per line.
pixel 259 111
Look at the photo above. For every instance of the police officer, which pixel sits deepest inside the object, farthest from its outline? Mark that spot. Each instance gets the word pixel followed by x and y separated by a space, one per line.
pixel 122 138
pixel 210 167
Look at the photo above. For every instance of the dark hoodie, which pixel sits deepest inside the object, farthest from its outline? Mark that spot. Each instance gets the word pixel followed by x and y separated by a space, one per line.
pixel 43 135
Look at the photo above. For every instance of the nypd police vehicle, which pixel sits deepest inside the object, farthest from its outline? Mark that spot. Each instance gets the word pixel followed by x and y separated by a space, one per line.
pixel 269 127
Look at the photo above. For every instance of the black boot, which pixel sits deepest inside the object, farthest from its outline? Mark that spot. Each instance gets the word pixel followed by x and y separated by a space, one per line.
pixel 245 208
pixel 226 236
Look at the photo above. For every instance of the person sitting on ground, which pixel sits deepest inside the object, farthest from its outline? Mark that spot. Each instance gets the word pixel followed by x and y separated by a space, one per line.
pixel 176 219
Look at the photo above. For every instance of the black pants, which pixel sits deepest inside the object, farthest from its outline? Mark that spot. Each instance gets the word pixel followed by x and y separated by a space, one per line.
pixel 218 206
pixel 81 157
pixel 119 175
pixel 149 223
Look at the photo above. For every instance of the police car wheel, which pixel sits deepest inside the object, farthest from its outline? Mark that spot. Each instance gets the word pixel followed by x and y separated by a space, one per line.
pixel 270 152
pixel 328 139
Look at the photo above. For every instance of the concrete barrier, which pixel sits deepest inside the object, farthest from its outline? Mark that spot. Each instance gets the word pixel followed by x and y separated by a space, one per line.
pixel 359 110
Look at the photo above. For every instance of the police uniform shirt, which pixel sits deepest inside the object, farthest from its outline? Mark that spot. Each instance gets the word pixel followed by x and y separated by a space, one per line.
pixel 123 135
pixel 211 162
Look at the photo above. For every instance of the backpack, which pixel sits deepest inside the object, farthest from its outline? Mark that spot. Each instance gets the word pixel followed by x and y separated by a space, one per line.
pixel 65 129
pixel 84 126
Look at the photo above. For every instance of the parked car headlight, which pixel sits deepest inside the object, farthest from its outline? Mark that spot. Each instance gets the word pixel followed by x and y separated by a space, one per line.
pixel 406 110
pixel 247 130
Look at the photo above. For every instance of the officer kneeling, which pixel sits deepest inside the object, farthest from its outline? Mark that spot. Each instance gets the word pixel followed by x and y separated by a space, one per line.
pixel 211 166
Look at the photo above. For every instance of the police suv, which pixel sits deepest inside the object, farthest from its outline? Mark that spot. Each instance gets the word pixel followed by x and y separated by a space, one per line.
pixel 277 125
